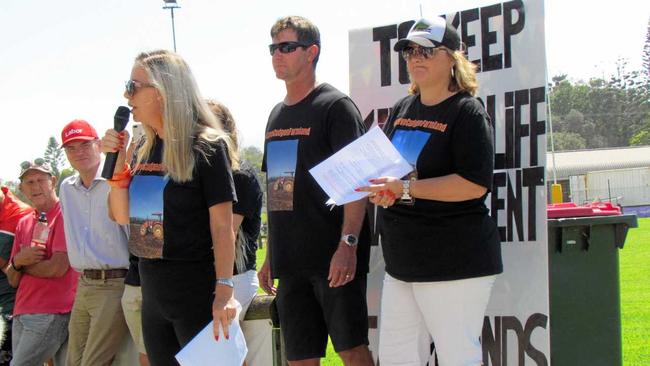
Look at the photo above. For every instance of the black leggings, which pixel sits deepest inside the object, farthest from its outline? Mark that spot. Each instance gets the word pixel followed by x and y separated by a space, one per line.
pixel 176 305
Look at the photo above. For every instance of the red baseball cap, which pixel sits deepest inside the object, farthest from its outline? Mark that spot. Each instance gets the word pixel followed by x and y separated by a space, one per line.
pixel 78 130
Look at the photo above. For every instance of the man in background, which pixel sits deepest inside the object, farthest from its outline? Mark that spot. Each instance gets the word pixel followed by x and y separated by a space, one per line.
pixel 97 248
pixel 41 272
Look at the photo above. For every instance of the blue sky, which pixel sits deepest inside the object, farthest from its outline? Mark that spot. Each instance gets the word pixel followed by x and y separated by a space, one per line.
pixel 410 143
pixel 282 157
pixel 149 192
pixel 62 60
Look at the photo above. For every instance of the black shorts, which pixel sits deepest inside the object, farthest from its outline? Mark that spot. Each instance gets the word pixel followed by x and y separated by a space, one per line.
pixel 308 308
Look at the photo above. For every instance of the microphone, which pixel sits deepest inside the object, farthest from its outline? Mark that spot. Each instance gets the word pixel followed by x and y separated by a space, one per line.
pixel 119 123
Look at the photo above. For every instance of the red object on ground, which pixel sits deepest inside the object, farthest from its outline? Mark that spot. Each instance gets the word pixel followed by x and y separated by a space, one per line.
pixel 570 209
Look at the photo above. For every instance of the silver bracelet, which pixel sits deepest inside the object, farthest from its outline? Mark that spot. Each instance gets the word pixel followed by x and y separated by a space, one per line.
pixel 226 282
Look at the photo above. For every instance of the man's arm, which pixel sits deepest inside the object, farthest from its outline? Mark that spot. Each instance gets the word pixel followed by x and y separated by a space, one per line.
pixel 13 276
pixel 343 265
pixel 346 125
pixel 264 274
pixel 21 260
pixel 56 266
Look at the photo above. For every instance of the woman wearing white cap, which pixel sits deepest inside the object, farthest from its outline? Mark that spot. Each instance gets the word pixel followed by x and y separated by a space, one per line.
pixel 441 247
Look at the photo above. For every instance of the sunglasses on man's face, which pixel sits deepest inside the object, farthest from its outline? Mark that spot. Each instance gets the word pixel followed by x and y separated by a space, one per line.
pixel 286 47
pixel 132 86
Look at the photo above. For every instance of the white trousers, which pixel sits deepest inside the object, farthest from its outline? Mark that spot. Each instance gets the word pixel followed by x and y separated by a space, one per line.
pixel 245 289
pixel 257 332
pixel 448 312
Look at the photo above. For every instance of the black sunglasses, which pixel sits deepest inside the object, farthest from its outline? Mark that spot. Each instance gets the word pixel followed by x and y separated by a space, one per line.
pixel 425 52
pixel 287 47
pixel 132 86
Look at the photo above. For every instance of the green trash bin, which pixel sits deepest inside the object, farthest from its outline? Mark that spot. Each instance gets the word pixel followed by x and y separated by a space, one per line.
pixel 584 292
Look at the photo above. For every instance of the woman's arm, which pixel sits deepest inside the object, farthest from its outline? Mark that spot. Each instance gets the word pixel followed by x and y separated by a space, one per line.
pixel 118 205
pixel 118 196
pixel 223 243
pixel 448 188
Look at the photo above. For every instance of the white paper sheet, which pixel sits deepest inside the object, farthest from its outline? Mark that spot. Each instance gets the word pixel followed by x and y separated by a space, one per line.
pixel 370 156
pixel 204 350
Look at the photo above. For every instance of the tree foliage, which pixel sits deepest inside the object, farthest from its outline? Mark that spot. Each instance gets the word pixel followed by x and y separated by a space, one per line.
pixel 54 156
pixel 56 159
pixel 14 188
pixel 254 156
pixel 567 141
pixel 645 56
pixel 601 112
pixel 642 136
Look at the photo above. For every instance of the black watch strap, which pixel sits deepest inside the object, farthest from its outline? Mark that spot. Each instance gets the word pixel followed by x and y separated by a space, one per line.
pixel 16 268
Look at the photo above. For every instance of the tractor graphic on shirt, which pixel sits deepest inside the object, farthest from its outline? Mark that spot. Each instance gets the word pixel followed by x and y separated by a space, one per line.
pixel 153 225
pixel 284 183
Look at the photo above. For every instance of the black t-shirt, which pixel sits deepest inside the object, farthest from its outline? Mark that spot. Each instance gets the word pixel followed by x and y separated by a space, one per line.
pixel 169 219
pixel 304 232
pixel 187 219
pixel 434 240
pixel 248 205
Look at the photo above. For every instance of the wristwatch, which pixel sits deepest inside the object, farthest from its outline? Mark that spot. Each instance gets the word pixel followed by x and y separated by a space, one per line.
pixel 13 264
pixel 406 192
pixel 226 282
pixel 350 240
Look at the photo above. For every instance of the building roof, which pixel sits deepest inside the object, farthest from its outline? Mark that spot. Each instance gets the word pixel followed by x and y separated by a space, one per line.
pixel 580 162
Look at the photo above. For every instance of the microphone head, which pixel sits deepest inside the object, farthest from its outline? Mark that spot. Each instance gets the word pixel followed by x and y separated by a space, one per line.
pixel 121 118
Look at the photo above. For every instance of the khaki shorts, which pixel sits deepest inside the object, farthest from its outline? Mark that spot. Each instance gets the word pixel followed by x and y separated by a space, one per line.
pixel 132 308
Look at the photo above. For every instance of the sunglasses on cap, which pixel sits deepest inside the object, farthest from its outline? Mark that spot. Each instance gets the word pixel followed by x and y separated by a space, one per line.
pixel 131 86
pixel 287 47
pixel 424 52
pixel 28 164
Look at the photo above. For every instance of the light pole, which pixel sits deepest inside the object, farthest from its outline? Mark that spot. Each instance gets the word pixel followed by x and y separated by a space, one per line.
pixel 171 5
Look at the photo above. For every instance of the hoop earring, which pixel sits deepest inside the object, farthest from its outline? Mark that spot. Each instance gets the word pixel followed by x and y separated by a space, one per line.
pixel 453 74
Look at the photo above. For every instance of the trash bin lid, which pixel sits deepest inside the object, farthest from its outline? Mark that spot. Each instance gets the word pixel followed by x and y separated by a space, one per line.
pixel 570 209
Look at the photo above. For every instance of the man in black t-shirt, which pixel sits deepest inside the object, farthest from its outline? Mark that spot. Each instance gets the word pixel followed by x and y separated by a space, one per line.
pixel 320 256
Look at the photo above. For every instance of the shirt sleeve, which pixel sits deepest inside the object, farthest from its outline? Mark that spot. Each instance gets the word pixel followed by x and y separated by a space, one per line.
pixel 248 193
pixel 345 123
pixel 472 144
pixel 389 125
pixel 216 176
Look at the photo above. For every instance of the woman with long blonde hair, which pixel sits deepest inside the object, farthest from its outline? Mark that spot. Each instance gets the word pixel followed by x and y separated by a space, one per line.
pixel 177 194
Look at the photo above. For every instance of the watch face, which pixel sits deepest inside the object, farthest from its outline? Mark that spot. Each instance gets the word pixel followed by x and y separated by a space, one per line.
pixel 350 239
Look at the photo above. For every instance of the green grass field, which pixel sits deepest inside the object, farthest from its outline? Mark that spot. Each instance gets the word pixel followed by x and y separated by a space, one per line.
pixel 635 297
pixel 634 262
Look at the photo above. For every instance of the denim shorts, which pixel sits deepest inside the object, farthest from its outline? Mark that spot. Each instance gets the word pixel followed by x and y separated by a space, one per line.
pixel 37 337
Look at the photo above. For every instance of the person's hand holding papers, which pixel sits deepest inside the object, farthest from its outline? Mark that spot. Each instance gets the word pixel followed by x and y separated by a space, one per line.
pixel 382 191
